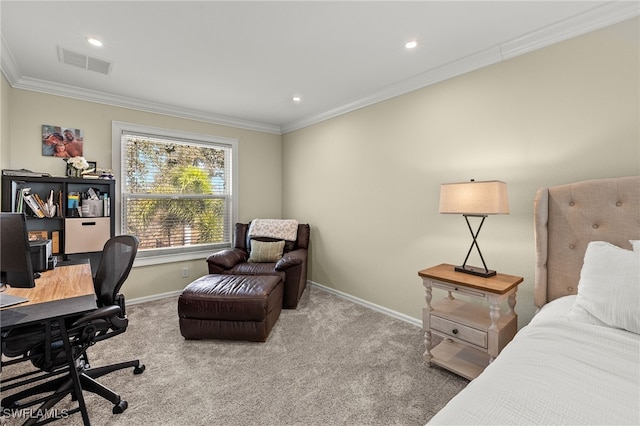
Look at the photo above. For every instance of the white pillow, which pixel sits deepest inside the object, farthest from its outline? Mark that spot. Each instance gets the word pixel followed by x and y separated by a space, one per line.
pixel 609 287
pixel 635 244
pixel 265 252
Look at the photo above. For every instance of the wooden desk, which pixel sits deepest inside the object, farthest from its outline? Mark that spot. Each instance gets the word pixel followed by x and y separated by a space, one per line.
pixel 62 282
pixel 63 292
pixel 60 292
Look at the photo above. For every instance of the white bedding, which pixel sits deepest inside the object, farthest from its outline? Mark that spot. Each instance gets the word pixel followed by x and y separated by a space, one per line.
pixel 555 371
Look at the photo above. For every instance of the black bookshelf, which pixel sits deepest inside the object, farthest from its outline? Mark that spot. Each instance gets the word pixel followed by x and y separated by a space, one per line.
pixel 73 236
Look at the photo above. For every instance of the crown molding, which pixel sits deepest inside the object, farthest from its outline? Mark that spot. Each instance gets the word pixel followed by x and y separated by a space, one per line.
pixel 10 68
pixel 591 20
pixel 13 76
pixel 141 105
pixel 594 19
pixel 433 76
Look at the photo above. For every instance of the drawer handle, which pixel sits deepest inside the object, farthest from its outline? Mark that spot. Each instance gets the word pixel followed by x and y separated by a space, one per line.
pixel 454 331
pixel 88 223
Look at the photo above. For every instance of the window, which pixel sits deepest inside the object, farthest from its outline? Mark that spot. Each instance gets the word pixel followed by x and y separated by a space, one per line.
pixel 176 190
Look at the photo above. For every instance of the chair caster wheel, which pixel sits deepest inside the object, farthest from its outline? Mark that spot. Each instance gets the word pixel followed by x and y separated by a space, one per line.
pixel 139 369
pixel 120 407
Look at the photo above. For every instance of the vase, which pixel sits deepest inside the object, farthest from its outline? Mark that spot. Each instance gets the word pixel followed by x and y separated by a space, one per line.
pixel 73 172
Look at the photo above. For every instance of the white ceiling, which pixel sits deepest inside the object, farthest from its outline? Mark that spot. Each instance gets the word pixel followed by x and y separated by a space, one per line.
pixel 240 63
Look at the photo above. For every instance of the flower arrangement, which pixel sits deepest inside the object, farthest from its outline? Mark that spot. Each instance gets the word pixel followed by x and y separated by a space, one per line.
pixel 75 166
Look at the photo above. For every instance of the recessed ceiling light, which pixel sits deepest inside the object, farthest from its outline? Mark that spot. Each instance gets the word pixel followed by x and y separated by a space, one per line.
pixel 411 44
pixel 94 41
pixel 296 99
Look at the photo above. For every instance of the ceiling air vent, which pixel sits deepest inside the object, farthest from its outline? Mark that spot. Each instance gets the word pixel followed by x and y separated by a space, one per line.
pixel 83 61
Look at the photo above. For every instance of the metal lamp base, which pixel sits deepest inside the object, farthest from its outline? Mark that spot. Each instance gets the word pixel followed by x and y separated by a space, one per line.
pixel 473 270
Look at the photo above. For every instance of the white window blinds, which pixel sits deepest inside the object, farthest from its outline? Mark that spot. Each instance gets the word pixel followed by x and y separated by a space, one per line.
pixel 176 193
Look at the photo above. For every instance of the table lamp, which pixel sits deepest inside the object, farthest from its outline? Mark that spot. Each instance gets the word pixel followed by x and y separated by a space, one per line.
pixel 474 199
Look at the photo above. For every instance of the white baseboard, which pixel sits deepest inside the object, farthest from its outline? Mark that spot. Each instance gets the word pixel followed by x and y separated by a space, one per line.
pixel 365 303
pixel 381 309
pixel 154 297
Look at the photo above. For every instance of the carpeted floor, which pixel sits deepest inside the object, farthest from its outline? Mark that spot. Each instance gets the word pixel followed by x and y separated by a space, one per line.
pixel 329 362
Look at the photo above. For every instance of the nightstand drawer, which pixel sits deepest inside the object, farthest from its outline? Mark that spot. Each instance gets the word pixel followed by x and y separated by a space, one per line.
pixel 458 289
pixel 459 331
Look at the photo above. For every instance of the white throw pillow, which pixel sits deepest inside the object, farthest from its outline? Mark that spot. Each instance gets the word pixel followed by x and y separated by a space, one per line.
pixel 635 244
pixel 262 251
pixel 609 287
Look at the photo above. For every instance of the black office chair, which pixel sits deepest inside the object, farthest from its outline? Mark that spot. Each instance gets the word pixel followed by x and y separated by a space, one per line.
pixel 105 322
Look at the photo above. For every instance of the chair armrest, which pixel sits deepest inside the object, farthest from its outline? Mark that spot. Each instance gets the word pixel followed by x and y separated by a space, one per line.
pixel 100 324
pixel 227 259
pixel 105 312
pixel 291 259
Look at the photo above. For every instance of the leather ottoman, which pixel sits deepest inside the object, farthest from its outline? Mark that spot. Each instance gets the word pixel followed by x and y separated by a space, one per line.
pixel 235 307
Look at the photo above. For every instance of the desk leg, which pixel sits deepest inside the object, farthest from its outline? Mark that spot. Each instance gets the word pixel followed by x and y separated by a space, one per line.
pixel 77 388
pixel 75 379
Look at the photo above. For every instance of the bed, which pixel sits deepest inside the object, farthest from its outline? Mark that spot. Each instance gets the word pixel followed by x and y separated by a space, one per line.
pixel 578 361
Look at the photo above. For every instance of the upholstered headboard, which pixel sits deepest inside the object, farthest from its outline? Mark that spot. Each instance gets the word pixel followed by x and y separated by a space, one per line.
pixel 568 217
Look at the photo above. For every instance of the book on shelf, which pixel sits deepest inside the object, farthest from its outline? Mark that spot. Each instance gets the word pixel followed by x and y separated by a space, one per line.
pixel 17 196
pixel 107 206
pixel 38 206
pixel 20 201
pixel 55 242
pixel 33 205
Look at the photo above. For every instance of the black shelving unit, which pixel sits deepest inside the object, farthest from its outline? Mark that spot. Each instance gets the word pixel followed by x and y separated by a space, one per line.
pixel 73 236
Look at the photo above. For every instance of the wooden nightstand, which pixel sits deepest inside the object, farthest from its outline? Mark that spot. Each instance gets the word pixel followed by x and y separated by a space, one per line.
pixel 473 334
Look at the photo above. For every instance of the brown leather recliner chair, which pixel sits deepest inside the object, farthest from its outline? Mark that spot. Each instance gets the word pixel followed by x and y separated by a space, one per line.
pixel 292 267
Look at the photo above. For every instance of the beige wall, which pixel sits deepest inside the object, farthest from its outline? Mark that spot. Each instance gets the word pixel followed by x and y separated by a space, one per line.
pixel 260 165
pixel 368 181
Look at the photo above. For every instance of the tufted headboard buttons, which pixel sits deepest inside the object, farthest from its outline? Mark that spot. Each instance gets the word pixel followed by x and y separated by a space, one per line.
pixel 568 217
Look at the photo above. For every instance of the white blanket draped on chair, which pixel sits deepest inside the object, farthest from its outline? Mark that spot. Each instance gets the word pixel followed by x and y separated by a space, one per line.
pixel 284 229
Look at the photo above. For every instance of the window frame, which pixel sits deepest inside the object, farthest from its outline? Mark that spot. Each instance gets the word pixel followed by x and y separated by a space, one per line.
pixel 177 254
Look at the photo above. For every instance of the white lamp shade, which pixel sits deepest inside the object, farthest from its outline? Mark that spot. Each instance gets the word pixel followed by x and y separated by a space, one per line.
pixel 479 198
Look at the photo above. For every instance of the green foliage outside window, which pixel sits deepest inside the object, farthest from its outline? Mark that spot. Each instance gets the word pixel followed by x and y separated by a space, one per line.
pixel 176 193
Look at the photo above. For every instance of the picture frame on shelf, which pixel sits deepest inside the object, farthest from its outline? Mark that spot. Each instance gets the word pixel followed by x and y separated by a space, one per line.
pixel 38 235
pixel 92 171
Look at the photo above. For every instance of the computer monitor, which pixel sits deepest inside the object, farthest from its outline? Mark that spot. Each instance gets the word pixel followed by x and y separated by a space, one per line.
pixel 15 254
